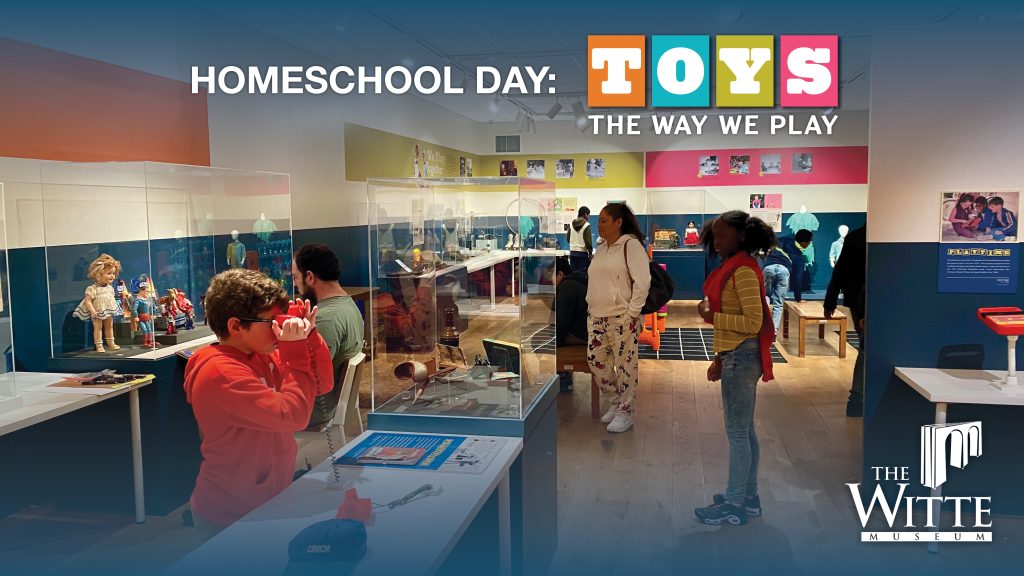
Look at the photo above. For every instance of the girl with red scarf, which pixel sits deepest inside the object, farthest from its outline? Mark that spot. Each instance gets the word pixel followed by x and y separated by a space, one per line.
pixel 736 305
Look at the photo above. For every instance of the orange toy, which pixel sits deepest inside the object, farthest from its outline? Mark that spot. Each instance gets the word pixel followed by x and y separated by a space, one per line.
pixel 653 324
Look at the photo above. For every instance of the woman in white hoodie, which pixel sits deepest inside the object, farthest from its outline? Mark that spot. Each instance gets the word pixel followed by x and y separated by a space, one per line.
pixel 619 281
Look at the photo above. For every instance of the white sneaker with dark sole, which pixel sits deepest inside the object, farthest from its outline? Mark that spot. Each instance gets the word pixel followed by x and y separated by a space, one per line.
pixel 610 414
pixel 621 422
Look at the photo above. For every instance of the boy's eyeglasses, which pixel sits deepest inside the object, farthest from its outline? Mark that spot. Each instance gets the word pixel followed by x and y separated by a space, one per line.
pixel 266 320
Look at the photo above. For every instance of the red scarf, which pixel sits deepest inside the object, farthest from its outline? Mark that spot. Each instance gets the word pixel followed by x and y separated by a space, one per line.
pixel 713 291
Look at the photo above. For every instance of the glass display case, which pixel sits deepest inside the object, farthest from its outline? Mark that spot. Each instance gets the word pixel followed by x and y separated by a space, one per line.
pixel 463 322
pixel 9 399
pixel 131 248
pixel 675 217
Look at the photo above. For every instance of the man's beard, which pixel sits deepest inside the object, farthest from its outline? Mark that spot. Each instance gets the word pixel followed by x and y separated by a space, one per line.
pixel 308 294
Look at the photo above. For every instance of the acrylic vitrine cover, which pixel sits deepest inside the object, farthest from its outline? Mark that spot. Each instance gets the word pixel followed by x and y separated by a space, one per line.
pixel 8 394
pixel 131 248
pixel 675 218
pixel 462 324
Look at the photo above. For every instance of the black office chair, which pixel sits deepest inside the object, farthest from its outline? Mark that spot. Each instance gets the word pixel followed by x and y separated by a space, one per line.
pixel 961 357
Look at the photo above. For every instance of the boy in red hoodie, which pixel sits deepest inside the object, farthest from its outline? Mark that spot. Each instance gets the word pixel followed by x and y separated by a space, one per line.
pixel 250 393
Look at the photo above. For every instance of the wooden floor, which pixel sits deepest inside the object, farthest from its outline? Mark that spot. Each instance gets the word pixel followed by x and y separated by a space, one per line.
pixel 625 501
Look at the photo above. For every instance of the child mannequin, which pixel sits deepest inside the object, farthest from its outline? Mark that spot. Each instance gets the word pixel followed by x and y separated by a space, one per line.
pixel 99 304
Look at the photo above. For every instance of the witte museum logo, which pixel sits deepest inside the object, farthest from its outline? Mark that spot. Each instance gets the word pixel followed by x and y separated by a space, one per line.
pixel 942 446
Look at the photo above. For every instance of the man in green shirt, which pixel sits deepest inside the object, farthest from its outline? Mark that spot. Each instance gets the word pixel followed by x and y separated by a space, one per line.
pixel 315 271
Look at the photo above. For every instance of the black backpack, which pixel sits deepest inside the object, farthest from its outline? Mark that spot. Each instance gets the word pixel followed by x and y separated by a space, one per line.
pixel 662 285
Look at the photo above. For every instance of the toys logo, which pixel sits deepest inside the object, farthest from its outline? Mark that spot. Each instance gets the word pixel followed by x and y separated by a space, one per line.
pixel 959 442
pixel 744 69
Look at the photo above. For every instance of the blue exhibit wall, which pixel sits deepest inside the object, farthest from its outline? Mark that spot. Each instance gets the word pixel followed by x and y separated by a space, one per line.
pixel 189 263
pixel 908 322
pixel 686 268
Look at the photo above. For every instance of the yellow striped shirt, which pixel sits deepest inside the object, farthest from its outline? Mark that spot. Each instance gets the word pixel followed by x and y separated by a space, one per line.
pixel 741 313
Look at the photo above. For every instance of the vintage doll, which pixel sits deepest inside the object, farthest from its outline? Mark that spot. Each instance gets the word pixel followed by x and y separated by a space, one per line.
pixel 99 303
pixel 143 309
pixel 692 236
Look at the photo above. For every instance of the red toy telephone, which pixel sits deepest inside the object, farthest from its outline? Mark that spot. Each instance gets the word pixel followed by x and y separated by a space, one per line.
pixel 294 311
pixel 1006 321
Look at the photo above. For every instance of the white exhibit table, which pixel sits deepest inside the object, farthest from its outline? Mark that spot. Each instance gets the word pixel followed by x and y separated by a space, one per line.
pixel 944 387
pixel 412 539
pixel 40 403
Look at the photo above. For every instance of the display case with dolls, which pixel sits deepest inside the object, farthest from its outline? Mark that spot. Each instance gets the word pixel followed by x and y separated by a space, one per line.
pixel 131 247
pixel 462 324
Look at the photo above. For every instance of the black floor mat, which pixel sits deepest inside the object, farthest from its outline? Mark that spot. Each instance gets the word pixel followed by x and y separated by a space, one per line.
pixel 676 344
pixel 690 344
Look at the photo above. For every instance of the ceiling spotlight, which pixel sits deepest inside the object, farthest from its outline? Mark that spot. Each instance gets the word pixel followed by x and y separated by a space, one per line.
pixel 586 126
pixel 579 114
pixel 555 109
pixel 493 105
pixel 520 124
pixel 531 125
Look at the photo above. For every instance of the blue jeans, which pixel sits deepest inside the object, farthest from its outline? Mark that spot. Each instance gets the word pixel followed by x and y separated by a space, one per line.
pixel 741 369
pixel 776 284
pixel 579 261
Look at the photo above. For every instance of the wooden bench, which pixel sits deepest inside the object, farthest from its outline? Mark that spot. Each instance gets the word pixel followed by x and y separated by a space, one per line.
pixel 574 359
pixel 813 313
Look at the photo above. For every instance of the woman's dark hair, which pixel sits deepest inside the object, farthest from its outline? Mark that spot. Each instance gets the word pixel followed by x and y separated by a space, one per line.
pixel 630 225
pixel 963 198
pixel 758 236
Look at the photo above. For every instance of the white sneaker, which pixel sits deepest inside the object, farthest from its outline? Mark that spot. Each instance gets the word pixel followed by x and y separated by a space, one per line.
pixel 621 423
pixel 610 414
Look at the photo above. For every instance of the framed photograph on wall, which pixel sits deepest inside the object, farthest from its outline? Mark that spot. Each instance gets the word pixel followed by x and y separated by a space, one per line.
pixel 708 166
pixel 803 163
pixel 771 164
pixel 535 169
pixel 508 168
pixel 979 216
pixel 739 164
pixel 565 168
pixel 595 168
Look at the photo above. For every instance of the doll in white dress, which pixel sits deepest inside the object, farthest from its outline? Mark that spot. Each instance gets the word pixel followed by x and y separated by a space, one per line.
pixel 99 303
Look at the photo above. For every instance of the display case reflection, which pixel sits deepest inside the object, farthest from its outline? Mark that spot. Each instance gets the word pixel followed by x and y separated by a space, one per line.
pixel 460 262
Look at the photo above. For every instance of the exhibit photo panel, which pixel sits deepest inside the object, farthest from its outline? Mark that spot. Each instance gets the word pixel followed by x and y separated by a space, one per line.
pixel 461 321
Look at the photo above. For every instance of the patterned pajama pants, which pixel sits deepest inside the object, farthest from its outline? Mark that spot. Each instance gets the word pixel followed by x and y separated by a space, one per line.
pixel 613 358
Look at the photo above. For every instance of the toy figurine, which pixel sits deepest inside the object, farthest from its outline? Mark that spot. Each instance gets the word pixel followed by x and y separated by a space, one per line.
pixel 99 303
pixel 143 308
pixel 127 305
pixel 692 236
pixel 169 310
pixel 184 306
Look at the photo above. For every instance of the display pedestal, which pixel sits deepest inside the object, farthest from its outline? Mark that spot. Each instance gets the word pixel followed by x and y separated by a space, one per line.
pixel 533 476
pixel 167 339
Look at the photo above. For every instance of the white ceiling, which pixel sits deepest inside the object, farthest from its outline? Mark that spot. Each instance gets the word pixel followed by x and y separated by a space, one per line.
pixel 500 34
